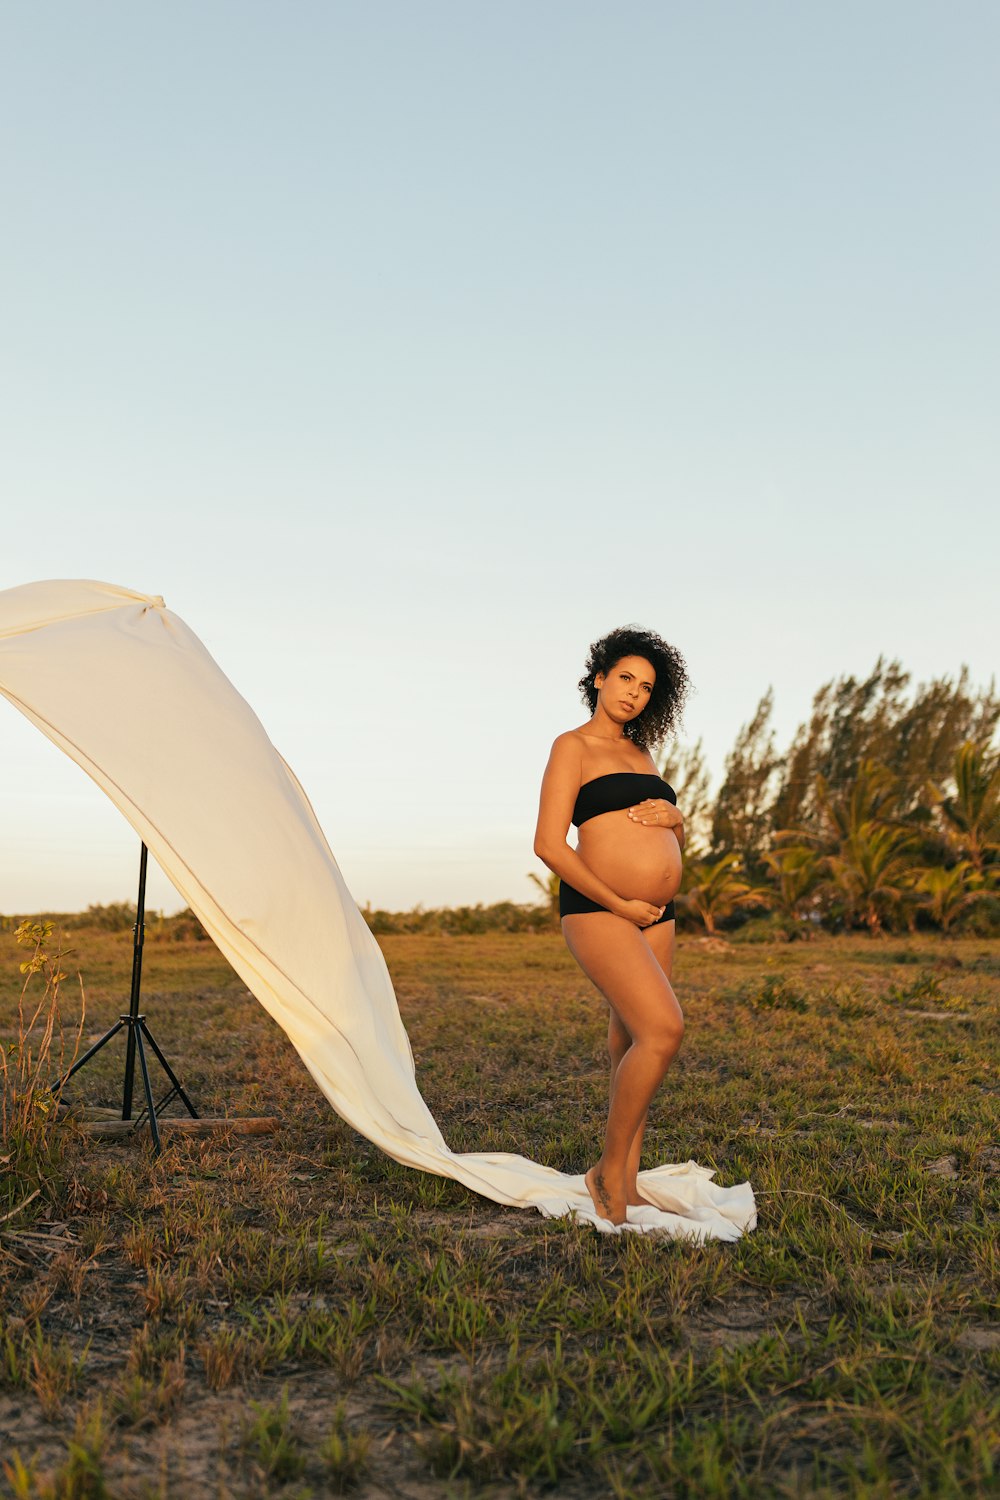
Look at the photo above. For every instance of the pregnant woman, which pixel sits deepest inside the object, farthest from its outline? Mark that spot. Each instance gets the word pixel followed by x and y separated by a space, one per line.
pixel 617 886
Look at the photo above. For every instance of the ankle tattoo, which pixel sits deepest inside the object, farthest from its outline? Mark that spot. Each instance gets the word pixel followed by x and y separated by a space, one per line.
pixel 602 1192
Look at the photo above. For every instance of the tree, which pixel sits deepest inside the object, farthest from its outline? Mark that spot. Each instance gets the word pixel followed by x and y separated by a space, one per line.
pixel 847 717
pixel 925 740
pixel 970 817
pixel 870 872
pixel 549 887
pixel 855 720
pixel 861 849
pixel 840 813
pixel 867 800
pixel 742 821
pixel 684 768
pixel 798 871
pixel 949 892
pixel 714 888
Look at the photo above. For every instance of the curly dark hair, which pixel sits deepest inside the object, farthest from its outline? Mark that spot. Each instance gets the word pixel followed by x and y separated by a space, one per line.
pixel 662 713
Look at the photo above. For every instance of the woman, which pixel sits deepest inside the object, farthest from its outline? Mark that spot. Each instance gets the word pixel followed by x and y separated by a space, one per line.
pixel 617 887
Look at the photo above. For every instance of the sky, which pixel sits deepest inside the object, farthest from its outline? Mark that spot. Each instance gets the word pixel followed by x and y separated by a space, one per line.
pixel 407 349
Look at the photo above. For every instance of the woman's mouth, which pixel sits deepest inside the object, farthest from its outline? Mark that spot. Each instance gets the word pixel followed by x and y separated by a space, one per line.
pixel 628 707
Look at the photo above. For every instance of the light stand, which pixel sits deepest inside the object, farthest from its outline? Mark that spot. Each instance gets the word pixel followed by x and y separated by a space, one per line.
pixel 137 1029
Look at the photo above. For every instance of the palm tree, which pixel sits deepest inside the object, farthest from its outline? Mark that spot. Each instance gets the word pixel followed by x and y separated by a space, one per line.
pixel 860 848
pixel 865 802
pixel 949 892
pixel 714 888
pixel 870 871
pixel 549 887
pixel 799 871
pixel 971 817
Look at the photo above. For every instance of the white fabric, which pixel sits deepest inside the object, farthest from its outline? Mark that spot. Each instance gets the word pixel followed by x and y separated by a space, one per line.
pixel 130 693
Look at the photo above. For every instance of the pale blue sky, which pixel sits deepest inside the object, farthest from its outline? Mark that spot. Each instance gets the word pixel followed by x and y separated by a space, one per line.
pixel 406 348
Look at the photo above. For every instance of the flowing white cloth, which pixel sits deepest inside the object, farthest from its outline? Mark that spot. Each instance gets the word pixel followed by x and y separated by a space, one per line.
pixel 130 693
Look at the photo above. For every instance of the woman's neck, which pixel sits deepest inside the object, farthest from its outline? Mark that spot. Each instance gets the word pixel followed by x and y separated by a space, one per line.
pixel 604 728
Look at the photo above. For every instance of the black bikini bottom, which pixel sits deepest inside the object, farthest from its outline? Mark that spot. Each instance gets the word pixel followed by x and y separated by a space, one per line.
pixel 572 901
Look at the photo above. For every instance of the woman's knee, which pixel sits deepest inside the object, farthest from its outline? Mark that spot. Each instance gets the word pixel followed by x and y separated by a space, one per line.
pixel 666 1037
pixel 656 1018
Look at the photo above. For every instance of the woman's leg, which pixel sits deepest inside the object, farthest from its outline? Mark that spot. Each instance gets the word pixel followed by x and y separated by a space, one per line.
pixel 616 957
pixel 660 938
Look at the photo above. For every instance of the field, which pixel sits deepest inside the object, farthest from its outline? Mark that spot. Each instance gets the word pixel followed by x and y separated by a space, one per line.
pixel 294 1314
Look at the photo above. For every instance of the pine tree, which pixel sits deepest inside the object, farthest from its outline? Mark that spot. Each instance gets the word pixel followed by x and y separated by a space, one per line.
pixel 743 816
pixel 684 768
pixel 856 720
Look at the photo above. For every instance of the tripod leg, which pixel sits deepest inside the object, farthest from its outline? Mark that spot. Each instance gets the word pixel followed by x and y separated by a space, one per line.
pixel 149 1092
pixel 168 1069
pixel 86 1057
pixel 129 1071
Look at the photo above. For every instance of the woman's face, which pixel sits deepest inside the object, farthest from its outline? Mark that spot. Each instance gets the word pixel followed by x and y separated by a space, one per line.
pixel 626 689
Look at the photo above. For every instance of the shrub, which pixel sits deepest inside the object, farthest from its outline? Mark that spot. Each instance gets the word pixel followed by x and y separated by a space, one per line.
pixel 776 927
pixel 982 921
pixel 503 916
pixel 183 927
pixel 118 917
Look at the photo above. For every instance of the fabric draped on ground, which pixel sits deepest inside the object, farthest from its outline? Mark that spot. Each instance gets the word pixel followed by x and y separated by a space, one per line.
pixel 130 693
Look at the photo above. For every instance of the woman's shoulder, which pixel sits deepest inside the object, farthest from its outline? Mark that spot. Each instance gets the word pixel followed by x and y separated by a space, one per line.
pixel 569 756
pixel 568 745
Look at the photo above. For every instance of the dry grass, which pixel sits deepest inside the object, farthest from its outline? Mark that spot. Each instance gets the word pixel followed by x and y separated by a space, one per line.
pixel 298 1315
pixel 33 1056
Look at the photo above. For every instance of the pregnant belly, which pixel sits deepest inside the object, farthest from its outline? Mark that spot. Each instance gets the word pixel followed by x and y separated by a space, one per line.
pixel 638 863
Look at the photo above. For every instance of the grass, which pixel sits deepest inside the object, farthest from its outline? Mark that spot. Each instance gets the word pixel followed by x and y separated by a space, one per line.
pixel 298 1315
pixel 32 1056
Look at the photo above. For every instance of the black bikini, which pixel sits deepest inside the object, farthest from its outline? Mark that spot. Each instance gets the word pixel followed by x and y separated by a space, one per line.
pixel 611 793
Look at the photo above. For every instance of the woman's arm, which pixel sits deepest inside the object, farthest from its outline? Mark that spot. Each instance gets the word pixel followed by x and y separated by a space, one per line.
pixel 560 786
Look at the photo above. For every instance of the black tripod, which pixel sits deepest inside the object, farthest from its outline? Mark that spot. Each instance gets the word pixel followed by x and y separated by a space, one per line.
pixel 137 1029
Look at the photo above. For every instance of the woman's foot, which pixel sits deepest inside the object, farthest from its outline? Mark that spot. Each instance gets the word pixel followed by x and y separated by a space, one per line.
pixel 636 1200
pixel 609 1205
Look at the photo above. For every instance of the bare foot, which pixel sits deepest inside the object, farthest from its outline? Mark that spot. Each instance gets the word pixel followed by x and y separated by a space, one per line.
pixel 603 1200
pixel 636 1200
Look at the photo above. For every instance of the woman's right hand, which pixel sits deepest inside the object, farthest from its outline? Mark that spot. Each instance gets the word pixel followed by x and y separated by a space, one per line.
pixel 642 913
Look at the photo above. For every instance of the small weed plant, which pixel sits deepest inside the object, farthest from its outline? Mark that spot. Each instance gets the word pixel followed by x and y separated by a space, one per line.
pixel 924 987
pixel 270 1439
pixel 775 993
pixel 344 1454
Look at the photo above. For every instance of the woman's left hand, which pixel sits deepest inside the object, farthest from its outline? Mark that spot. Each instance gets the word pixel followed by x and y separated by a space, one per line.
pixel 657 812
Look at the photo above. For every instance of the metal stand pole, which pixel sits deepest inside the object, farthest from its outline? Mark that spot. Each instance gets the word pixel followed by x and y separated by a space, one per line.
pixel 137 1029
pixel 138 938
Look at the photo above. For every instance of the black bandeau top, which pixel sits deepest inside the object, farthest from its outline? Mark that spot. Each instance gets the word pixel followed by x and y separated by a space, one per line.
pixel 616 790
